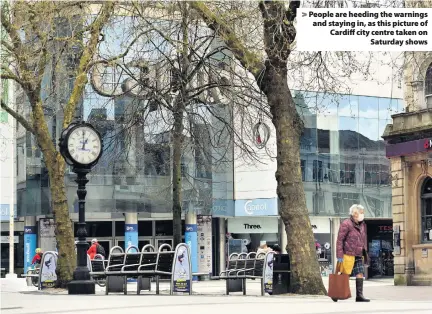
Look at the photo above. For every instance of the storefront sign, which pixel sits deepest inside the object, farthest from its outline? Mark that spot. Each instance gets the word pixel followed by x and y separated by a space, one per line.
pixel 48 276
pixel 182 271
pixel 385 228
pixel 30 242
pixel 408 148
pixel 223 208
pixel 256 207
pixel 204 230
pixel 253 225
pixel 5 239
pixel 5 212
pixel 424 252
pixel 268 273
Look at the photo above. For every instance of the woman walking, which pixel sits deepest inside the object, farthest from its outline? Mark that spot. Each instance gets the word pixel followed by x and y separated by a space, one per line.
pixel 351 248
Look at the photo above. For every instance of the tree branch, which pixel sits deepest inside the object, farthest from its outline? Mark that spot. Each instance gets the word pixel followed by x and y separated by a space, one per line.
pixel 248 59
pixel 86 57
pixel 11 76
pixel 19 118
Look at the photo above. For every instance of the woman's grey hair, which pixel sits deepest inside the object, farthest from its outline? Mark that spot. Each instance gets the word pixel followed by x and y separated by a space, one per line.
pixel 355 208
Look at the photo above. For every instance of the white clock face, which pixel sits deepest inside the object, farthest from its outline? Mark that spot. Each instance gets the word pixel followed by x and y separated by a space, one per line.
pixel 84 145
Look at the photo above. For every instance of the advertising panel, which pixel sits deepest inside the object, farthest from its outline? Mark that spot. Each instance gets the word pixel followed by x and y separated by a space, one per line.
pixel 192 241
pixel 204 225
pixel 30 242
pixel 48 276
pixel 268 273
pixel 182 270
pixel 131 235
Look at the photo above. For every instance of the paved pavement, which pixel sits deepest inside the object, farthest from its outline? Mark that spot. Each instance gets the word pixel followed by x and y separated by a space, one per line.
pixel 17 298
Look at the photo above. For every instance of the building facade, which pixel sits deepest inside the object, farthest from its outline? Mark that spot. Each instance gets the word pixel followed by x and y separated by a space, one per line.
pixel 409 144
pixel 343 163
pixel 129 199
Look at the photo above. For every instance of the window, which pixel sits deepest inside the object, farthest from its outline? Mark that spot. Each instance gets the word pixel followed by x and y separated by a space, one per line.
pixel 426 211
pixel 303 169
pixel 333 173
pixel 347 173
pixel 318 202
pixel 376 206
pixel 371 174
pixel 317 171
pixel 343 201
pixel 428 81
pixel 29 145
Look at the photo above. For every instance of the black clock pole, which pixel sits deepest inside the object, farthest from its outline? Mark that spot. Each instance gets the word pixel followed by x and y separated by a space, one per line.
pixel 82 160
pixel 82 283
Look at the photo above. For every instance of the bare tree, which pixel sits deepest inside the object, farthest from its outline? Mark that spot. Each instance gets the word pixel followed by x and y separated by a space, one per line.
pixel 249 29
pixel 36 48
pixel 180 84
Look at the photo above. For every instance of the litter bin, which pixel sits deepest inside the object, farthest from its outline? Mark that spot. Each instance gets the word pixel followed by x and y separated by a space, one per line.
pixel 281 274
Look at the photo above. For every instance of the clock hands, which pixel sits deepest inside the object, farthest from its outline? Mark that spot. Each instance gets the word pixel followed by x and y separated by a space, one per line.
pixel 84 142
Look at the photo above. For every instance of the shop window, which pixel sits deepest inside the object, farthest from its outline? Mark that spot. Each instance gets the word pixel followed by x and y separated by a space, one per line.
pixel 164 228
pixel 426 211
pixel 96 229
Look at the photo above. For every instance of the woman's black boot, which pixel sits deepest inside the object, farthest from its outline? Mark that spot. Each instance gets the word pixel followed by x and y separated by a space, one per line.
pixel 359 291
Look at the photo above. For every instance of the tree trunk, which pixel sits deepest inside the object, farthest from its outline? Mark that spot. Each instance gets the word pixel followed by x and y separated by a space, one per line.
pixel 306 278
pixel 177 176
pixel 55 165
pixel 64 231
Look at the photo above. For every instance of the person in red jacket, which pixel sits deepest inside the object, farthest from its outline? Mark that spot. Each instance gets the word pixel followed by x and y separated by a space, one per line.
pixel 37 258
pixel 92 251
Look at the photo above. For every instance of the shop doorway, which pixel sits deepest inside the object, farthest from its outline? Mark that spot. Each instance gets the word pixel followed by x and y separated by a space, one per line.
pixel 380 247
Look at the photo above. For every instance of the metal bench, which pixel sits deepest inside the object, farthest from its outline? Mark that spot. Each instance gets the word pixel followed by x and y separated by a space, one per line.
pixel 242 267
pixel 164 264
pixel 97 269
pixel 114 278
pixel 147 264
pixel 147 268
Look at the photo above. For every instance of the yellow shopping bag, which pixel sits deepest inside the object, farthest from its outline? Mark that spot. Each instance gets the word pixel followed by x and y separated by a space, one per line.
pixel 347 264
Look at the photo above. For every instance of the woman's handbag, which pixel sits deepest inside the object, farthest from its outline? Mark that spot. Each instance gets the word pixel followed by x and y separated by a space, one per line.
pixel 339 288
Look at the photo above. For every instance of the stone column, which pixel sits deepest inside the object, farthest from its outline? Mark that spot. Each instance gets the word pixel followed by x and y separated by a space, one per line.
pixel 399 209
